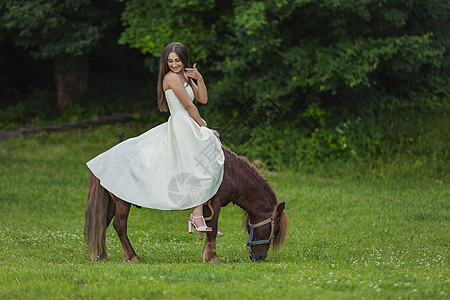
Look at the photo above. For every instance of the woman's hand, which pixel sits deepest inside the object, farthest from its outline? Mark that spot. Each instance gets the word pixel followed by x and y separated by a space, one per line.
pixel 216 133
pixel 199 88
pixel 193 73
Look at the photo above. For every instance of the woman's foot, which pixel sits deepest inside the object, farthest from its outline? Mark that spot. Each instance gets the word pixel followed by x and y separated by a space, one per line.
pixel 199 224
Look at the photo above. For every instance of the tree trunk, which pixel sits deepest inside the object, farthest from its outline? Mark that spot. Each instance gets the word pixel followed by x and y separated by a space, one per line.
pixel 71 77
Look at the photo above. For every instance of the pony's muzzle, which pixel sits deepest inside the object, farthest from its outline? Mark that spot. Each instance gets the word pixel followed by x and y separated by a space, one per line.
pixel 258 256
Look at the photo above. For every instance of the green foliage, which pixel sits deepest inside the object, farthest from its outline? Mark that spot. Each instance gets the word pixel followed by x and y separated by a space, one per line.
pixel 36 107
pixel 314 139
pixel 49 28
pixel 153 24
pixel 322 49
pixel 11 114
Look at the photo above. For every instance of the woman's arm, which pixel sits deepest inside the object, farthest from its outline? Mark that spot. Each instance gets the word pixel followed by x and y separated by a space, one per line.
pixel 174 83
pixel 200 91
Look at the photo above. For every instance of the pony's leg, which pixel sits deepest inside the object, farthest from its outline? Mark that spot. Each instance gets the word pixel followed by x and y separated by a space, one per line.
pixel 120 225
pixel 209 250
pixel 109 216
pixel 111 211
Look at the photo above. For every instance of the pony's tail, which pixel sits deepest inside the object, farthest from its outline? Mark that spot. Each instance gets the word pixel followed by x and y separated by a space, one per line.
pixel 95 218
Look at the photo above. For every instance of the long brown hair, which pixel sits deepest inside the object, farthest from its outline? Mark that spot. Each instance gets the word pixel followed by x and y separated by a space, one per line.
pixel 182 53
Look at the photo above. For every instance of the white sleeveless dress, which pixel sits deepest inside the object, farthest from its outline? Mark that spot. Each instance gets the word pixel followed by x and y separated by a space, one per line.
pixel 173 166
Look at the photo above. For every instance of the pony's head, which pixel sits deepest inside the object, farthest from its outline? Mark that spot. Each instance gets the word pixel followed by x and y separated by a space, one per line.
pixel 264 217
pixel 262 234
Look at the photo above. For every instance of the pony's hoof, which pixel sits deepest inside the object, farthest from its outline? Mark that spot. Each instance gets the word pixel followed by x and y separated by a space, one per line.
pixel 213 259
pixel 103 257
pixel 133 258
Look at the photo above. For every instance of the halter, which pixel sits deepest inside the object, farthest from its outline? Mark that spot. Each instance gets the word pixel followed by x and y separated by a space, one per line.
pixel 251 243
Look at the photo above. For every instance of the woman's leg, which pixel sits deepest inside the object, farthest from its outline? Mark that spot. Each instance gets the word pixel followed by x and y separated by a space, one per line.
pixel 198 211
pixel 196 219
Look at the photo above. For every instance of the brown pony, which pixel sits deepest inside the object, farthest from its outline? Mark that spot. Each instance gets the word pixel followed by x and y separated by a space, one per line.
pixel 242 184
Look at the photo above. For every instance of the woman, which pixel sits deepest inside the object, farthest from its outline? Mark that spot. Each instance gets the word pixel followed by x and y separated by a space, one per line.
pixel 175 165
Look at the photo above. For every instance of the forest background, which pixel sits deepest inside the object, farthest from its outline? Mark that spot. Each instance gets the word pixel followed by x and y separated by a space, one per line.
pixel 292 84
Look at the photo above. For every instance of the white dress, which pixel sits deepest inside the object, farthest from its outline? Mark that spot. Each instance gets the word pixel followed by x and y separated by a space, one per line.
pixel 173 166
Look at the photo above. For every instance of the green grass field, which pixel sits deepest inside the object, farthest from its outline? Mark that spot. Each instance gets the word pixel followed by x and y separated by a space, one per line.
pixel 350 237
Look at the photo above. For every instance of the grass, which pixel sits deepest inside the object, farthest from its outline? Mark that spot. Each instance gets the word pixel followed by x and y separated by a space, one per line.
pixel 363 237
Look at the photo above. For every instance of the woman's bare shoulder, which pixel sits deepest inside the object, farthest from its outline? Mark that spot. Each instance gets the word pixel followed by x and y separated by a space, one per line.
pixel 171 80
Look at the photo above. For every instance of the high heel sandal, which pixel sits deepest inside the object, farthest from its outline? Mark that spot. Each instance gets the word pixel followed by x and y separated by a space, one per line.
pixel 191 225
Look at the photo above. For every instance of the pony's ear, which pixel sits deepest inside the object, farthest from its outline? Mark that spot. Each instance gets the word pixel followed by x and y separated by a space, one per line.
pixel 280 209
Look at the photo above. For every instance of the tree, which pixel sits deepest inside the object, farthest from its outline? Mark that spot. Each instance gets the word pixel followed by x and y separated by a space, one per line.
pixel 357 54
pixel 62 30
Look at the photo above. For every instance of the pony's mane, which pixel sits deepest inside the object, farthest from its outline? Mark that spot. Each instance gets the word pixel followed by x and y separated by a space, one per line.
pixel 247 165
pixel 281 236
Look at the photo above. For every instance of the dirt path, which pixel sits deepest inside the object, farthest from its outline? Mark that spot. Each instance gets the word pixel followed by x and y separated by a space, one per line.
pixel 79 124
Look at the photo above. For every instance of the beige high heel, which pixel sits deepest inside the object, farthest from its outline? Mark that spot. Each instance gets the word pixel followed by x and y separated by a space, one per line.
pixel 191 225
